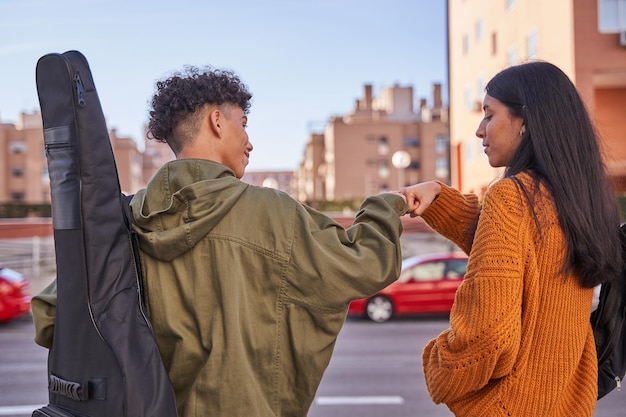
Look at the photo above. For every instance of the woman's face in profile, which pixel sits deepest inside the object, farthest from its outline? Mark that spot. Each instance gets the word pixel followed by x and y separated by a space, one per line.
pixel 500 131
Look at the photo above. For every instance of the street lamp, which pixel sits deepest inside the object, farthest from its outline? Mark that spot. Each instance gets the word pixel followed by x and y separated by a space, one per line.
pixel 401 160
pixel 270 182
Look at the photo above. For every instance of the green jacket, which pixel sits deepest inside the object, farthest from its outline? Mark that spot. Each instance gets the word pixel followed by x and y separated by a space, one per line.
pixel 247 289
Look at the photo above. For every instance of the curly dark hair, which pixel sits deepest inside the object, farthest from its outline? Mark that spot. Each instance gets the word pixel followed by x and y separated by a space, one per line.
pixel 179 97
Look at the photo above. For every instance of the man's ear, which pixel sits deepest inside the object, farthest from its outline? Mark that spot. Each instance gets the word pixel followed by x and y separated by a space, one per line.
pixel 215 120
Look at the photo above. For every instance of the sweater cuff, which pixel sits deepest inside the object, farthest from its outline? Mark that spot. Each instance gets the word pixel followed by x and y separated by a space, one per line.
pixel 450 210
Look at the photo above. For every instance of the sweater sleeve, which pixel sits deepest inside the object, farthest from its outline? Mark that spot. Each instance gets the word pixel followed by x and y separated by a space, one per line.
pixel 454 216
pixel 485 322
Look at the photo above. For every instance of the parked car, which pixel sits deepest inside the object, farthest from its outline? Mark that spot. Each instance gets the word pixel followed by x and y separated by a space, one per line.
pixel 427 284
pixel 14 298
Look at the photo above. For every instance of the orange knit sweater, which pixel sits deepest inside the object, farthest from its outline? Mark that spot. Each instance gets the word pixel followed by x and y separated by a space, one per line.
pixel 520 342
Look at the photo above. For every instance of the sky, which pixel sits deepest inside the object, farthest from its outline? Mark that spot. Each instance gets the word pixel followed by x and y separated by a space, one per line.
pixel 304 61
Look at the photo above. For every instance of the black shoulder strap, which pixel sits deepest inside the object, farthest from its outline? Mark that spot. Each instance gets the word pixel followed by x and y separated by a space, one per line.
pixel 608 322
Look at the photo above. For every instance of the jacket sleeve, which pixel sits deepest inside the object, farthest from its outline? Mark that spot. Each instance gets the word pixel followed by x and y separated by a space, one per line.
pixel 331 266
pixel 485 322
pixel 454 216
pixel 44 309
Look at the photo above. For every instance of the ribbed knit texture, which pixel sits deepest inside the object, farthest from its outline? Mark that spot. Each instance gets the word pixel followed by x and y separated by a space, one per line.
pixel 520 342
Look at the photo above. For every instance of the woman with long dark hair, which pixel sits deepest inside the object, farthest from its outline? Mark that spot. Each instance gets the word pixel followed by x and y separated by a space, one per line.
pixel 544 235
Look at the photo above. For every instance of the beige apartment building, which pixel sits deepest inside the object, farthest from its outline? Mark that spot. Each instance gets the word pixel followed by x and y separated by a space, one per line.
pixel 279 180
pixel 585 38
pixel 24 167
pixel 154 156
pixel 383 144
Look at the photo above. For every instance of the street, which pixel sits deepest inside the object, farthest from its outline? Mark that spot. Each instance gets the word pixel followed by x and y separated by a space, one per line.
pixel 375 370
pixel 23 380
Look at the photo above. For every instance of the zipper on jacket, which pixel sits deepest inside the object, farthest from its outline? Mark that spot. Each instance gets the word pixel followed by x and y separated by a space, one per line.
pixel 80 91
pixel 618 381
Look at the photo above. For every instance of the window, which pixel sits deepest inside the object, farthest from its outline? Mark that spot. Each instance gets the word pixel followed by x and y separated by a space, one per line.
pixel 424 272
pixel 466 44
pixel 441 168
pixel 17 196
pixel 494 43
pixel 383 169
pixel 480 89
pixel 511 56
pixel 611 16
pixel 479 30
pixel 45 176
pixel 456 268
pixel 411 142
pixel 17 172
pixel 531 44
pixel 383 146
pixel 17 147
pixel 469 150
pixel 510 4
pixel 441 144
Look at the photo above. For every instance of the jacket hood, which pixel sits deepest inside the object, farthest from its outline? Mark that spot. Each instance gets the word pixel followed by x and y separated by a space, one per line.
pixel 182 203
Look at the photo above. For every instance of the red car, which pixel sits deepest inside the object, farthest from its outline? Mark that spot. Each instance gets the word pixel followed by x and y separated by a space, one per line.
pixel 427 284
pixel 14 298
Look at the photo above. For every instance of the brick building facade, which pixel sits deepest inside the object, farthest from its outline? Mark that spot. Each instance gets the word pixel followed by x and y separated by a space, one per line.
pixel 585 38
pixel 24 167
pixel 361 153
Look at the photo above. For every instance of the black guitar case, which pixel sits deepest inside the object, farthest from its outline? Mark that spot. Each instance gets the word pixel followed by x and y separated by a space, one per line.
pixel 104 361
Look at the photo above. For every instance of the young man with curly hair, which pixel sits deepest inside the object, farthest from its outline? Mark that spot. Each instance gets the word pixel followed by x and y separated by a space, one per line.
pixel 246 288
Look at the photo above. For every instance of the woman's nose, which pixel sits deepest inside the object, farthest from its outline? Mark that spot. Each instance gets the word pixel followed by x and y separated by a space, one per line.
pixel 480 132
